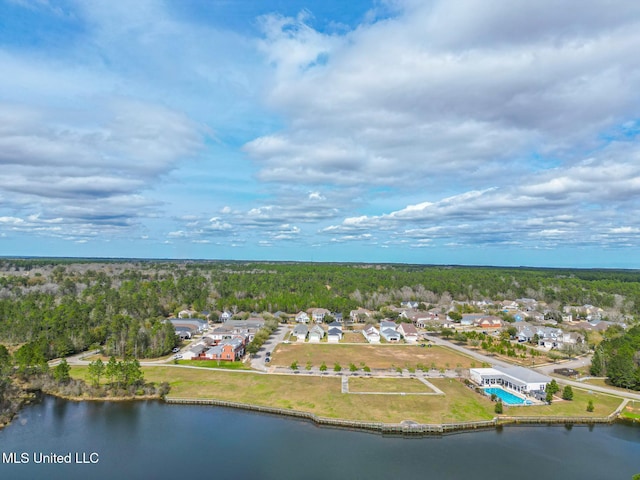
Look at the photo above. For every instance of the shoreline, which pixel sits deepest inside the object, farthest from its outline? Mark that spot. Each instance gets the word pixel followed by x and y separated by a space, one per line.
pixel 407 427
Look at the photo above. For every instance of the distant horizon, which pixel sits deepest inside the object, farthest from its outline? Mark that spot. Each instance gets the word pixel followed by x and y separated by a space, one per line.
pixel 220 260
pixel 367 131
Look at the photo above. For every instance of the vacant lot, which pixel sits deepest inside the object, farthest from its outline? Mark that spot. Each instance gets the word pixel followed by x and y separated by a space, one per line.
pixel 374 356
pixel 321 395
pixel 387 385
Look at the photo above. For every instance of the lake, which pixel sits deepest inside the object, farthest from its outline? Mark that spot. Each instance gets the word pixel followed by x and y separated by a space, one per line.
pixel 152 440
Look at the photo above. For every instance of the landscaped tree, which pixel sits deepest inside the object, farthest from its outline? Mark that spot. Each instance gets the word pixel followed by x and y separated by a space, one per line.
pixel 61 372
pixel 337 367
pixel 96 370
pixel 499 408
pixel 131 372
pixel 567 393
pixel 112 369
pixel 294 365
pixel 590 406
pixel 323 367
pixel 352 367
pixel 553 387
pixel 549 397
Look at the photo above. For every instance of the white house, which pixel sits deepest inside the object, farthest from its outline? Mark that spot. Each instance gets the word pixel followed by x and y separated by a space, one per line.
pixel 334 335
pixel 302 317
pixel 318 314
pixel 300 332
pixel 371 333
pixel 390 335
pixel 519 379
pixel 409 332
pixel 315 334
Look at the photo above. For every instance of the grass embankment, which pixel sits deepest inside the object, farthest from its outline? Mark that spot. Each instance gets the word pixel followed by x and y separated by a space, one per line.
pixel 321 395
pixel 215 364
pixel 631 412
pixel 604 405
pixel 373 356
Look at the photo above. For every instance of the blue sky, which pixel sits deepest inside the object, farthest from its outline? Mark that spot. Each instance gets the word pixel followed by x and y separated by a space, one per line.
pixel 446 131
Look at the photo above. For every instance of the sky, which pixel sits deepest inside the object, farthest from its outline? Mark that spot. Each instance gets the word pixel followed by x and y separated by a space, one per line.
pixel 475 132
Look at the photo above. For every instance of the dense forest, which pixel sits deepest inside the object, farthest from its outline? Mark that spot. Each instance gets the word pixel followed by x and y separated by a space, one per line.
pixel 58 307
pixel 618 357
pixel 55 307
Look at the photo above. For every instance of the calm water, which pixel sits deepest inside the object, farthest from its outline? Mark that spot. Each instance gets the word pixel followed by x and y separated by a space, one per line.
pixel 156 441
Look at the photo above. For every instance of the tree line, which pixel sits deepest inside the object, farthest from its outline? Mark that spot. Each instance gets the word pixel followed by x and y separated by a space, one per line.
pixel 618 358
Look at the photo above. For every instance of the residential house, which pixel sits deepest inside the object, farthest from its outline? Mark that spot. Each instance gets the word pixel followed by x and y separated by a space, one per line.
pixel 316 333
pixel 384 324
pixel 227 350
pixel 337 316
pixel 194 351
pixel 194 324
pixel 410 304
pixel 300 332
pixel 490 323
pixel 302 317
pixel 225 316
pixel 409 332
pixel 371 333
pixel 318 314
pixel 360 315
pixel 390 335
pixel 334 335
pixel 186 313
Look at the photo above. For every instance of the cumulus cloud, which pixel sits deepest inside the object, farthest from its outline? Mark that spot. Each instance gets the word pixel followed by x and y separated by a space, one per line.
pixel 447 88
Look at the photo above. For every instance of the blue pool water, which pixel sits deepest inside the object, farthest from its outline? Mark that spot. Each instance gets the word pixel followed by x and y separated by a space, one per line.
pixel 506 397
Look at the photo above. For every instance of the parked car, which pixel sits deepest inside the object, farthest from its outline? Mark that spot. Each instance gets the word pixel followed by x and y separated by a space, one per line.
pixel 267 360
pixel 177 356
pixel 268 354
pixel 175 350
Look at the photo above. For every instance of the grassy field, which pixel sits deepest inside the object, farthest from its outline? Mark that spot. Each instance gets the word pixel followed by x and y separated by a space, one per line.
pixel 321 395
pixel 374 356
pixel 632 411
pixel 604 405
pixel 215 364
pixel 353 337
pixel 389 385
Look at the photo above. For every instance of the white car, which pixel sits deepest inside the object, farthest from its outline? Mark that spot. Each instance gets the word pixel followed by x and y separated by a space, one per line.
pixel 177 357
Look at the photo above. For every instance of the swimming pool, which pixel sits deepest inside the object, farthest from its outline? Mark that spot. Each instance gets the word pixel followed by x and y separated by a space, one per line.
pixel 506 397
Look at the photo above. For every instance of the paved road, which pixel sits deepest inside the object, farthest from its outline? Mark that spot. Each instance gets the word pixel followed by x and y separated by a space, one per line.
pixel 258 360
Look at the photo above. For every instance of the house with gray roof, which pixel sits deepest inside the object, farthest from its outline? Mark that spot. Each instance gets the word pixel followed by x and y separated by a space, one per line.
pixel 300 332
pixel 316 333
pixel 390 335
pixel 334 335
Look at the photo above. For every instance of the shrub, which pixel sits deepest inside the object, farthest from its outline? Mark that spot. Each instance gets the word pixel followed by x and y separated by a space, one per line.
pixel 567 393
pixel 498 409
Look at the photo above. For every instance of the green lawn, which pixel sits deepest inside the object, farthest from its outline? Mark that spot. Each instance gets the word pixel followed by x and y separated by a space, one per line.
pixel 322 395
pixel 388 385
pixel 604 405
pixel 215 364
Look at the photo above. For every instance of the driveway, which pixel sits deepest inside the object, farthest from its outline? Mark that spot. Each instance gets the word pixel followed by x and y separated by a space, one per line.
pixel 258 360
